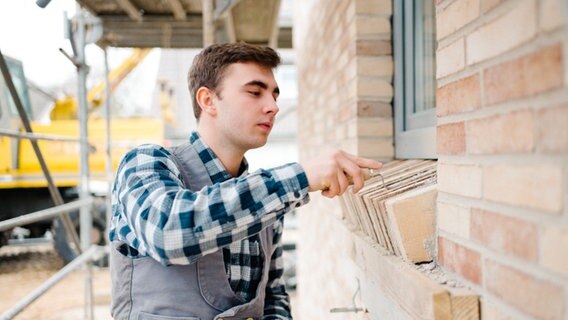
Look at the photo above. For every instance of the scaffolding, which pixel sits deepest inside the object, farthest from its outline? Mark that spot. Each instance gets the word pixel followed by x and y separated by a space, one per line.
pixel 82 244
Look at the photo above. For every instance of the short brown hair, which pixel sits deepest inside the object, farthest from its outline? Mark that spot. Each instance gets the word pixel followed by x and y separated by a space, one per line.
pixel 209 65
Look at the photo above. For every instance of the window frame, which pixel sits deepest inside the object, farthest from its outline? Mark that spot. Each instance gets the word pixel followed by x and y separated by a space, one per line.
pixel 415 132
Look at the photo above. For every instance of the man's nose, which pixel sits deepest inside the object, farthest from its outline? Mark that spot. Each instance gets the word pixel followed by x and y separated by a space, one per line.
pixel 271 106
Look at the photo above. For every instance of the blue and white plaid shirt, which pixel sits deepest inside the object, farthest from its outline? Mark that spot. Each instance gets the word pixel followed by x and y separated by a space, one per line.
pixel 156 216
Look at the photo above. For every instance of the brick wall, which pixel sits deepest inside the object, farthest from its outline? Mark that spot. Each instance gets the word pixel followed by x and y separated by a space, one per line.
pixel 502 142
pixel 345 91
pixel 502 106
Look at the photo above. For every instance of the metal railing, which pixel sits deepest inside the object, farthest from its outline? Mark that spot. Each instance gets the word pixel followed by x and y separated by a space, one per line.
pixel 44 214
pixel 61 209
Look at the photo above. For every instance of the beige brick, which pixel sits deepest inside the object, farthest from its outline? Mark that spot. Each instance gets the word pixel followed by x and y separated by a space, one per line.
pixel 352 89
pixel 459 96
pixel 506 133
pixel 350 13
pixel 453 219
pixel 565 49
pixel 538 186
pixel 373 87
pixel 553 129
pixel 372 25
pixel 372 47
pixel 487 5
pixel 376 148
pixel 508 31
pixel 536 297
pixel 450 59
pixel 458 14
pixel 382 7
pixel 463 180
pixel 374 109
pixel 450 138
pixel 464 261
pixel 535 73
pixel 489 311
pixel 504 234
pixel 552 14
pixel 350 71
pixel 554 249
pixel 375 66
pixel 349 145
pixel 345 113
pixel 371 127
pixel 340 132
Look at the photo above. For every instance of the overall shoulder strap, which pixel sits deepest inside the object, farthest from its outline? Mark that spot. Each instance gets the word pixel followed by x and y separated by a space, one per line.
pixel 193 171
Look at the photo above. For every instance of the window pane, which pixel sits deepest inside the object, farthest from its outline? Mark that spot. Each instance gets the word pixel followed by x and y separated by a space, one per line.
pixel 429 54
pixel 424 55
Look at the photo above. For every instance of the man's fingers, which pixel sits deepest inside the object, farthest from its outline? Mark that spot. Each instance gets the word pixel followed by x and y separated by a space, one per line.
pixel 364 162
pixel 327 194
pixel 358 183
pixel 343 182
pixel 359 169
pixel 348 166
pixel 333 173
pixel 331 186
pixel 332 190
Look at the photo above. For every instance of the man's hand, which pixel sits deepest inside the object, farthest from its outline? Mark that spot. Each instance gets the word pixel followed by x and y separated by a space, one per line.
pixel 332 173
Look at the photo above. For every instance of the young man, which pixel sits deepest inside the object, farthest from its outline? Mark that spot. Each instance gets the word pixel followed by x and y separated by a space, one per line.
pixel 194 235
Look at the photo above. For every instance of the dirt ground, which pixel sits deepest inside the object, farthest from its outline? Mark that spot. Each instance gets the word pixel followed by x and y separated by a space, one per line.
pixel 24 268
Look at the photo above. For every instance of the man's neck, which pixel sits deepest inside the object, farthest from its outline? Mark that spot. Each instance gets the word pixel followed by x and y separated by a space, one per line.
pixel 227 154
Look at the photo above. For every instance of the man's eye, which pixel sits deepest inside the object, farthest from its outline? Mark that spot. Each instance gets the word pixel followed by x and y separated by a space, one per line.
pixel 255 93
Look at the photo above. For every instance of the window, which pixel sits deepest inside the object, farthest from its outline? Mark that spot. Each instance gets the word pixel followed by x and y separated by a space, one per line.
pixel 415 78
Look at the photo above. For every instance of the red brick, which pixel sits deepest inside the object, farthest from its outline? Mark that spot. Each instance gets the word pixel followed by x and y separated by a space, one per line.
pixel 536 297
pixel 451 138
pixel 459 96
pixel 529 75
pixel 505 234
pixel 459 259
pixel 513 132
pixel 553 129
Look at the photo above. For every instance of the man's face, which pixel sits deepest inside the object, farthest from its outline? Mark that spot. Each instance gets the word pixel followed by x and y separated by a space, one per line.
pixel 246 105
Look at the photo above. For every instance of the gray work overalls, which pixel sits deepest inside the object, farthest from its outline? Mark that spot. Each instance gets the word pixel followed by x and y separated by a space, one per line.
pixel 142 288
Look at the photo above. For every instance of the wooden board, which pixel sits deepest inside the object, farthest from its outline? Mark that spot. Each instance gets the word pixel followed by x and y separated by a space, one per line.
pixel 393 286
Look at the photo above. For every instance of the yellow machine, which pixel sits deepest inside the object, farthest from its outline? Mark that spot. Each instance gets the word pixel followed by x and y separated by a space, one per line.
pixel 23 188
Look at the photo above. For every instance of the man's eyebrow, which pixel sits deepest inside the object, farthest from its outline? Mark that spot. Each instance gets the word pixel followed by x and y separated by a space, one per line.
pixel 262 85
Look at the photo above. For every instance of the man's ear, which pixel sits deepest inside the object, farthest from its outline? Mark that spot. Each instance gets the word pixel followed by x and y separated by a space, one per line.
pixel 205 99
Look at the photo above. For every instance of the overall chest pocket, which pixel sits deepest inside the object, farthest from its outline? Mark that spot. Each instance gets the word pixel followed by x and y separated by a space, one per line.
pixel 244 256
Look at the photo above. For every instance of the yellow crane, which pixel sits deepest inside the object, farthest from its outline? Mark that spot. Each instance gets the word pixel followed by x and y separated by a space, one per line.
pixel 67 107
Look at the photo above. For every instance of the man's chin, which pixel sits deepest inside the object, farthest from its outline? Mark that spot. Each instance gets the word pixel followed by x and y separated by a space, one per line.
pixel 259 143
